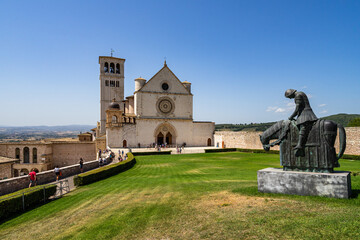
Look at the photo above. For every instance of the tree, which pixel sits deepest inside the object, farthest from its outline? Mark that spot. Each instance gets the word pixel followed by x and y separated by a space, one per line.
pixel 354 122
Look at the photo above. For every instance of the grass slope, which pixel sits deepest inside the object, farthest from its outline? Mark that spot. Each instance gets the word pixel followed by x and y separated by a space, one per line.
pixel 199 196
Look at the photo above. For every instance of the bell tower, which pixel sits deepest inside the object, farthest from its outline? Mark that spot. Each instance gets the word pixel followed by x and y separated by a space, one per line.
pixel 111 85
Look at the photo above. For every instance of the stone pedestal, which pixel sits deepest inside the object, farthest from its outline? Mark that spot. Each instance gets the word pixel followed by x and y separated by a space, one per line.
pixel 273 180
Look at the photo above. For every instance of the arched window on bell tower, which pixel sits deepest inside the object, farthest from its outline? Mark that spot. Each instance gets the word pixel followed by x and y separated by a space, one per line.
pixel 112 67
pixel 106 67
pixel 118 68
pixel 114 119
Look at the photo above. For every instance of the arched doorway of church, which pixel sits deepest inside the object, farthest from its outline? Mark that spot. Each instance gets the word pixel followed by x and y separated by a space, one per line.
pixel 165 133
pixel 168 138
pixel 209 142
pixel 160 139
pixel 124 144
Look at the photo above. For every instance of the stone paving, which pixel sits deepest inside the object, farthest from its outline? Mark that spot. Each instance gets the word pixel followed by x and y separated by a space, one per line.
pixel 186 150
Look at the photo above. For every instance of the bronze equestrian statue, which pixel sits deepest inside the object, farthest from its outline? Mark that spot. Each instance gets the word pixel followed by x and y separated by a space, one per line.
pixel 307 143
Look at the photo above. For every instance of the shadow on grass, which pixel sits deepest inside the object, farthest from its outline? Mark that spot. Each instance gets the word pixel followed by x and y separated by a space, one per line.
pixel 253 191
pixel 355 193
pixel 21 212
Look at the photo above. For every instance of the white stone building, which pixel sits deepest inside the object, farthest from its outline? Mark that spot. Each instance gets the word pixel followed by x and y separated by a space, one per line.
pixel 159 112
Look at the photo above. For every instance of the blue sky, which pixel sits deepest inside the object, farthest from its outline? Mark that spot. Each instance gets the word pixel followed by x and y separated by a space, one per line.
pixel 240 56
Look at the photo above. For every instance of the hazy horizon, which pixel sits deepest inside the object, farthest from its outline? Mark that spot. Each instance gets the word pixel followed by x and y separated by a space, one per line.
pixel 94 125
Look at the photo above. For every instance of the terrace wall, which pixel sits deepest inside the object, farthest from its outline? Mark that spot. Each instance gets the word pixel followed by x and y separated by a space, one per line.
pixel 6 170
pixel 17 183
pixel 65 154
pixel 251 140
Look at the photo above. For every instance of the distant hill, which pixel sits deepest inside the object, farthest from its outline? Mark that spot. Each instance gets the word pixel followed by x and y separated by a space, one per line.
pixel 41 132
pixel 341 118
pixel 49 128
pixel 243 127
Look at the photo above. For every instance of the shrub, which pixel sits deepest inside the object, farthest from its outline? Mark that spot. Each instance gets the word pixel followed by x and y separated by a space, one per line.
pixel 104 172
pixel 220 150
pixel 257 151
pixel 353 157
pixel 354 122
pixel 240 150
pixel 151 153
pixel 12 203
pixel 345 156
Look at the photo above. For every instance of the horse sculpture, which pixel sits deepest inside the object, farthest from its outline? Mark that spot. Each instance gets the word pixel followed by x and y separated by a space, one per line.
pixel 319 154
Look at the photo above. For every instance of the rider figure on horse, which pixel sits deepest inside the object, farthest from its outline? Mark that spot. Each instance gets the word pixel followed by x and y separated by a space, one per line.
pixel 305 117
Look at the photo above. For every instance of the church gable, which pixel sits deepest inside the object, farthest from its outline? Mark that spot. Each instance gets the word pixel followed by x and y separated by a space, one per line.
pixel 164 81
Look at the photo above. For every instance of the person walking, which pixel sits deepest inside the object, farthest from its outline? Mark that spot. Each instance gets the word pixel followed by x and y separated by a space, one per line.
pixel 99 154
pixel 57 172
pixel 32 175
pixel 81 163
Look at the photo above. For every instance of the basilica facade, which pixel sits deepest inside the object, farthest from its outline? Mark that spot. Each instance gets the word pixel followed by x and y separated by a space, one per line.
pixel 159 112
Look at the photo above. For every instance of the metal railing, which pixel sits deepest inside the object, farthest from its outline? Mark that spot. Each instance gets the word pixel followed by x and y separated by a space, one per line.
pixel 62 187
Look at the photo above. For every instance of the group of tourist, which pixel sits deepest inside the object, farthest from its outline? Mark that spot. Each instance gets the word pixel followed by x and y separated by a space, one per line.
pixel 158 147
pixel 179 149
pixel 122 156
pixel 102 152
pixel 105 157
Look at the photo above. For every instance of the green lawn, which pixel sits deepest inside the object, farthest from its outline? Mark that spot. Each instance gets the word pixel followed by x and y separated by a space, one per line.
pixel 197 196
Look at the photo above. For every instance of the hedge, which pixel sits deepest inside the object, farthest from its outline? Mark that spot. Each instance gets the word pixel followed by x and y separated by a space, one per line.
pixel 345 156
pixel 104 172
pixel 257 151
pixel 12 203
pixel 151 153
pixel 240 150
pixel 353 157
pixel 220 150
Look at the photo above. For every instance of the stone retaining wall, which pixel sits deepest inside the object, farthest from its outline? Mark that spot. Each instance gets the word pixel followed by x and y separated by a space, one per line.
pixel 14 184
pixel 352 140
pixel 242 139
pixel 6 170
pixel 251 140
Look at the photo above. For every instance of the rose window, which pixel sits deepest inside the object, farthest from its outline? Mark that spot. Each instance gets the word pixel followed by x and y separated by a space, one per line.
pixel 165 106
